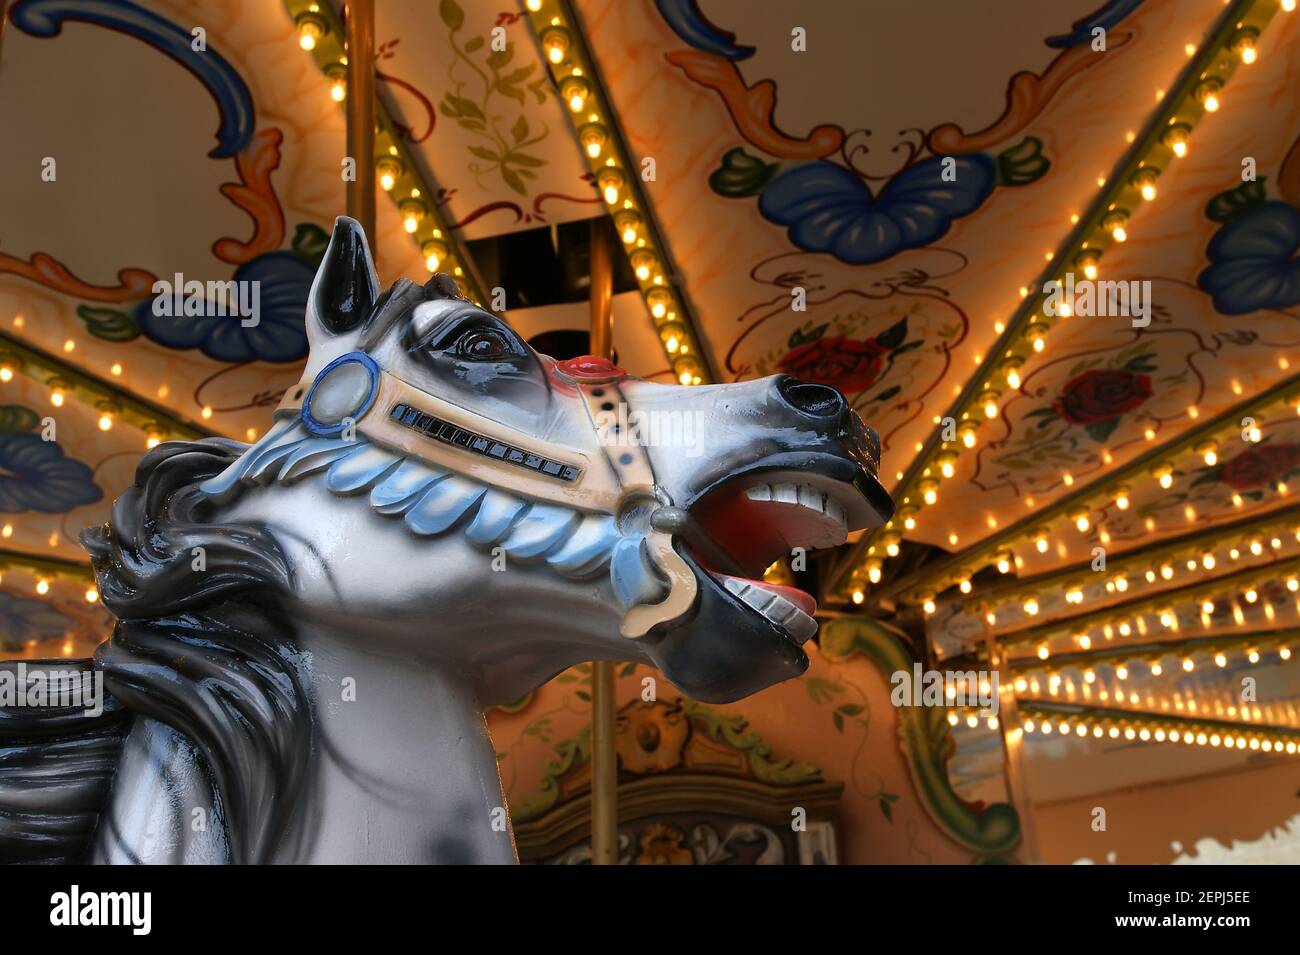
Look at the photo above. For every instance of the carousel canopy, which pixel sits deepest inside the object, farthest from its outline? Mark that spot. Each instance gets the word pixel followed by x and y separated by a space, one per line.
pixel 1055 270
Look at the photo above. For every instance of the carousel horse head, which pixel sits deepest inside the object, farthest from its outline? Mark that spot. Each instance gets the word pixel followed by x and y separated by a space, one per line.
pixel 440 512
pixel 436 486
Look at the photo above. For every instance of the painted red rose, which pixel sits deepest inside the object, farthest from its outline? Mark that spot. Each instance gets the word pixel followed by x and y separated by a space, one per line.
pixel 1260 466
pixel 851 365
pixel 1100 395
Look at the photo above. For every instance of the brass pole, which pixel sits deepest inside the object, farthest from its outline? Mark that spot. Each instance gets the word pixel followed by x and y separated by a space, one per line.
pixel 604 760
pixel 360 29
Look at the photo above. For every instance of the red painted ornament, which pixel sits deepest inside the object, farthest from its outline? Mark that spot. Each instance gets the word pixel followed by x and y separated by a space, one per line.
pixel 590 368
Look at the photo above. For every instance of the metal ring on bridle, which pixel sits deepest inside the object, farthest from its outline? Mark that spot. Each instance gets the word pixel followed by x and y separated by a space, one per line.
pixel 342 392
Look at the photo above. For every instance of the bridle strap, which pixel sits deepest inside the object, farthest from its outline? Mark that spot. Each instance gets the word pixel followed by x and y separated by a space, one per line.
pixel 395 414
pixel 443 435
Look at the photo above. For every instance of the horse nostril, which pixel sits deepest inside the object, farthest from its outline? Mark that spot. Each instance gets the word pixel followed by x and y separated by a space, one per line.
pixel 821 401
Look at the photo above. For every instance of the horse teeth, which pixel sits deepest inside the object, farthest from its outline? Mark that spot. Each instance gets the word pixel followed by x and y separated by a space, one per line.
pixel 835 510
pixel 774 608
pixel 801 495
pixel 786 493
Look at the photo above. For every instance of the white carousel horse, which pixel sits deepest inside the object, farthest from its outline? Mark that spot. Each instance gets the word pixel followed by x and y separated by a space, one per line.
pixel 439 519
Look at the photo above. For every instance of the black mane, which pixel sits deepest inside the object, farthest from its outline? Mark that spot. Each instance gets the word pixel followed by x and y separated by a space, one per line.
pixel 206 651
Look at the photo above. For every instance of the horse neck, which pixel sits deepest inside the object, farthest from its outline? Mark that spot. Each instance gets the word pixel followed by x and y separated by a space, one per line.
pixel 404 770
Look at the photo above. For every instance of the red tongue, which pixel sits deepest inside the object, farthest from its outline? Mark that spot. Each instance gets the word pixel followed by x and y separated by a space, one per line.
pixel 804 601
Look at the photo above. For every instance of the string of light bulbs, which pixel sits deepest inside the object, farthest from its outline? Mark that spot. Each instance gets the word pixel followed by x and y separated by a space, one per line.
pixel 321 34
pixel 1077 512
pixel 604 148
pixel 1151 567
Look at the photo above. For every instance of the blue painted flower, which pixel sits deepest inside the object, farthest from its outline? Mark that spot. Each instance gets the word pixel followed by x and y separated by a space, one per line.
pixel 35 476
pixel 23 619
pixel 829 209
pixel 284 279
pixel 1253 261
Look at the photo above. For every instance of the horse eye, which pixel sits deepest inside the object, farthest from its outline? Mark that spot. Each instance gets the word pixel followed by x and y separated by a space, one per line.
pixel 483 345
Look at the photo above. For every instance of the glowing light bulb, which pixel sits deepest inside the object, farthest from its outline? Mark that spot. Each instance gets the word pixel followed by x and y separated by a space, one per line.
pixel 858 596
pixel 338 91
pixel 56 397
pixel 42 586
pixel 1176 139
pixel 310 29
pixel 929 491
pixel 105 422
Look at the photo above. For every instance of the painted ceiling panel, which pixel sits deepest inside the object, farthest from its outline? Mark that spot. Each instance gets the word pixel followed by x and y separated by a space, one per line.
pixel 1107 391
pixel 182 210
pixel 896 315
pixel 467 81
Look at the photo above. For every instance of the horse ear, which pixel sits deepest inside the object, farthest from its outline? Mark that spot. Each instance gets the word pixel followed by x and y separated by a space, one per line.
pixel 346 286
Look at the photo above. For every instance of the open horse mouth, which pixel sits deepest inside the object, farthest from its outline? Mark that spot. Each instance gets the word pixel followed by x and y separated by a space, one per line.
pixel 744 523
